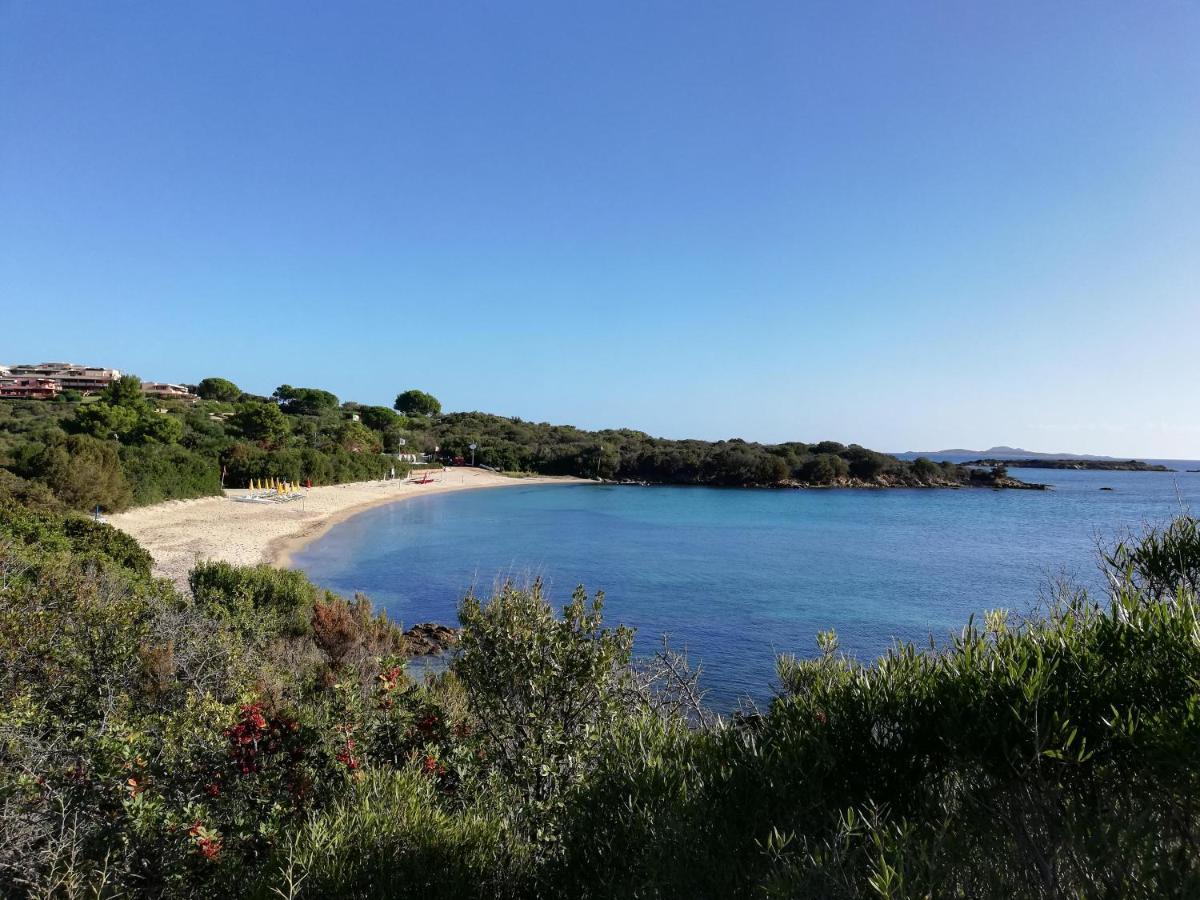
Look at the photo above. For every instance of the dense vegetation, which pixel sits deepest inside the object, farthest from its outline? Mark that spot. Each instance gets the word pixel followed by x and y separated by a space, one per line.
pixel 513 444
pixel 258 737
pixel 120 448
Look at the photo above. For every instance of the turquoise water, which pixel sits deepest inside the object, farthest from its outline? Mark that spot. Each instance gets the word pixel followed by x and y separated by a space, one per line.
pixel 738 576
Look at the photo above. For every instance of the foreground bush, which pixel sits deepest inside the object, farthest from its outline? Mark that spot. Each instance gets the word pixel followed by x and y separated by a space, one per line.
pixel 1054 759
pixel 262 738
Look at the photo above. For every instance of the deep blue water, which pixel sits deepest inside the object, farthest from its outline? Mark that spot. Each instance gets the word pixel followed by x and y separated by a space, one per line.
pixel 738 576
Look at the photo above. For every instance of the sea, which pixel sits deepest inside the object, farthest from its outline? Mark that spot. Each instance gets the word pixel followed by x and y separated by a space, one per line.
pixel 738 577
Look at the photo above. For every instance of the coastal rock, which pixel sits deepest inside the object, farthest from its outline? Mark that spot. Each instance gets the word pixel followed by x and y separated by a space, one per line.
pixel 1014 484
pixel 430 639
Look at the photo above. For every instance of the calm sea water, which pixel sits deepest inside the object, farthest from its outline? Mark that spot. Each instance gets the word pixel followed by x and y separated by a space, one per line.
pixel 739 576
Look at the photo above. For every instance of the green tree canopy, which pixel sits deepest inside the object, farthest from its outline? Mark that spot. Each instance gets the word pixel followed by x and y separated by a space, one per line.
pixel 125 391
pixel 218 389
pixel 300 401
pixel 417 403
pixel 263 423
pixel 82 471
pixel 354 437
pixel 380 418
pixel 104 420
pixel 158 428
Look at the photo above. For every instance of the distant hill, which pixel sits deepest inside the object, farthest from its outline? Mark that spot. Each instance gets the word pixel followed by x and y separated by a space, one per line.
pixel 1003 452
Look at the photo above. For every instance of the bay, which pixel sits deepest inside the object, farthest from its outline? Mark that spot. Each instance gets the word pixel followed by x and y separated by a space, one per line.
pixel 739 576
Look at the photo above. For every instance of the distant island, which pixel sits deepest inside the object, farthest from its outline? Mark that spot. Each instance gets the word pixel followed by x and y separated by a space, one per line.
pixel 1102 465
pixel 1009 454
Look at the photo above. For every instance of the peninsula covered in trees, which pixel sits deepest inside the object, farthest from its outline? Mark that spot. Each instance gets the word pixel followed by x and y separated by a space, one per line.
pixel 120 447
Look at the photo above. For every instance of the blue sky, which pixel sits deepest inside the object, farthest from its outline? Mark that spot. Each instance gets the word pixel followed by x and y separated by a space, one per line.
pixel 910 225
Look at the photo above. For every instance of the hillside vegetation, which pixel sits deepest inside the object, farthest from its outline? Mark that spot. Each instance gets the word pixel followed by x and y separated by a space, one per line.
pixel 259 737
pixel 120 449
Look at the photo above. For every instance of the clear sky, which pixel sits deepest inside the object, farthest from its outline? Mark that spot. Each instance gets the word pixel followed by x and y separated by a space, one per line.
pixel 909 225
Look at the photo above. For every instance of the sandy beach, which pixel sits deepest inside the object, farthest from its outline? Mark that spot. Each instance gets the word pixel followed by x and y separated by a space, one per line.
pixel 181 532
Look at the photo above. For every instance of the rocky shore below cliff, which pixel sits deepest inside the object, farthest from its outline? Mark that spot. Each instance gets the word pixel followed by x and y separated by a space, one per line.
pixel 980 478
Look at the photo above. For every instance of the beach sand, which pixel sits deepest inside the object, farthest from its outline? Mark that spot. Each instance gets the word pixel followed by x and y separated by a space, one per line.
pixel 179 533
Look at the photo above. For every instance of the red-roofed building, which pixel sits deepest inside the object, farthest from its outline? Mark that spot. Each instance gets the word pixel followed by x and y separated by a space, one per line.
pixel 29 388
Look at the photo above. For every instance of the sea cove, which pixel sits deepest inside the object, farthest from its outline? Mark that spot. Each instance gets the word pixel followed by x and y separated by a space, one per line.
pixel 738 576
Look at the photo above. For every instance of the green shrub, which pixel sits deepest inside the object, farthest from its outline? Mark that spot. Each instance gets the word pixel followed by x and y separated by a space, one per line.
pixel 541 688
pixel 247 594
pixel 83 472
pixel 391 836
pixel 160 472
pixel 48 532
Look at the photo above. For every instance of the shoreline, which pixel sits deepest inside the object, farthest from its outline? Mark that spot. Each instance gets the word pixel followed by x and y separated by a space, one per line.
pixel 179 533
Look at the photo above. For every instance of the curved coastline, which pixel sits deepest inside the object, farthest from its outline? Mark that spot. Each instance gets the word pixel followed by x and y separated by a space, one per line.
pixel 280 550
pixel 180 533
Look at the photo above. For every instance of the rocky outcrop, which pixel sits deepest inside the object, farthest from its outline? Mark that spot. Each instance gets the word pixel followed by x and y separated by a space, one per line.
pixel 430 639
pixel 968 478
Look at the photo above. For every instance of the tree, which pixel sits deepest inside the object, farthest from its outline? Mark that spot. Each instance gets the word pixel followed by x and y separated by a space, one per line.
pixel 379 418
pixel 261 422
pixel 83 472
pixel 925 469
pixel 417 403
pixel 218 389
pixel 104 420
pixel 824 469
pixel 159 428
pixel 773 470
pixel 125 391
pixel 299 401
pixel 358 438
pixel 864 464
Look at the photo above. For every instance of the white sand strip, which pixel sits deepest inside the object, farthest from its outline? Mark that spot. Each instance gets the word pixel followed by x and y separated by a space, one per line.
pixel 178 533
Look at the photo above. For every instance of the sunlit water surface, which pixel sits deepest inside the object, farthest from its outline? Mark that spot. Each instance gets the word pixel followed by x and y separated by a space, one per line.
pixel 739 576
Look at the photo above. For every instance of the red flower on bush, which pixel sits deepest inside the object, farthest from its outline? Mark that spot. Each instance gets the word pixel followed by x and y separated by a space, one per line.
pixel 346 755
pixel 208 843
pixel 253 736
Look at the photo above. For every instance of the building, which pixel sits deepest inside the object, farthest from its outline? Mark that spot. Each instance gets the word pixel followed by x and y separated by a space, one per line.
pixel 164 391
pixel 70 376
pixel 29 388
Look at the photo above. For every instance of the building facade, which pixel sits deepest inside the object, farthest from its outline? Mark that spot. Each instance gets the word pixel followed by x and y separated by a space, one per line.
pixel 70 376
pixel 164 391
pixel 29 388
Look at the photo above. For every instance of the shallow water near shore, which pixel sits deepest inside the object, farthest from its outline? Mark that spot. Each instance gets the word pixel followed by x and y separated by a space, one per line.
pixel 739 576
